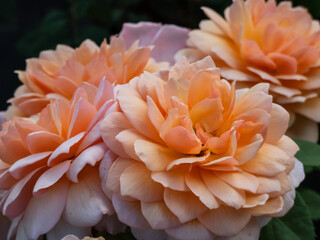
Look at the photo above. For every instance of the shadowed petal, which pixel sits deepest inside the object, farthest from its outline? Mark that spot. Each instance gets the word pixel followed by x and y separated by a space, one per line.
pixel 129 212
pixel 35 220
pixel 86 202
pixel 186 210
pixel 190 231
pixel 158 215
pixel 63 228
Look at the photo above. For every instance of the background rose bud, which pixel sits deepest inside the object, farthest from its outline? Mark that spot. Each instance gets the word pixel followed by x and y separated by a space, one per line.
pixel 166 39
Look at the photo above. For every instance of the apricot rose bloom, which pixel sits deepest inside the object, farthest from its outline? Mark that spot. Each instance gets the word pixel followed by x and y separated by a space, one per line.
pixel 193 158
pixel 58 73
pixel 49 166
pixel 260 41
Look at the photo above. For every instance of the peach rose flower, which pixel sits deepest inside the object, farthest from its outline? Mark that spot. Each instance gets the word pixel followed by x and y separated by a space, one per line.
pixel 192 158
pixel 260 41
pixel 49 166
pixel 57 74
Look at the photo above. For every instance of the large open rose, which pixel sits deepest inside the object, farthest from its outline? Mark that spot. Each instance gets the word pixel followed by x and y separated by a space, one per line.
pixel 49 167
pixel 260 41
pixel 192 158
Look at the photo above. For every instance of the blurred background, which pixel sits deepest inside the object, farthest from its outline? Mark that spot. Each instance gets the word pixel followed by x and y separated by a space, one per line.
pixel 30 26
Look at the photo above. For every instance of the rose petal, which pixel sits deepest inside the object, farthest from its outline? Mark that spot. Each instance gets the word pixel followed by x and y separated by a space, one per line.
pixel 245 181
pixel 135 181
pixel 273 205
pixel 278 123
pixel 250 232
pixel 25 165
pixel 128 138
pixel 86 203
pixel 274 164
pixel 225 221
pixel 158 215
pixel 186 210
pixel 155 156
pixel 65 150
pixel 89 156
pixel 35 221
pixel 173 179
pixel 20 194
pixel 198 187
pixel 110 127
pixel 136 111
pixel 221 190
pixel 50 177
pixel 129 212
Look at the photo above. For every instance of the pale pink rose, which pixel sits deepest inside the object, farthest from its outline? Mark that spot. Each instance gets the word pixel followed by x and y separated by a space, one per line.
pixel 260 41
pixel 2 118
pixel 50 166
pixel 166 39
pixel 192 158
pixel 56 74
pixel 72 237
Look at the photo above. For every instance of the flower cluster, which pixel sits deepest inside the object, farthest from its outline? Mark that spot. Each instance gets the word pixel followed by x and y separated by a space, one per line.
pixel 175 134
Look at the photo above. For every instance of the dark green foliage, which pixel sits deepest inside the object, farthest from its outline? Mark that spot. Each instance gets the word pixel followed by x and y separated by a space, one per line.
pixel 309 153
pixel 312 199
pixel 295 225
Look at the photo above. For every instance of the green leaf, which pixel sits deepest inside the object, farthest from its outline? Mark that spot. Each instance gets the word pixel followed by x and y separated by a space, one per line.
pixel 312 199
pixel 117 14
pixel 308 169
pixel 296 225
pixel 277 230
pixel 80 8
pixel 7 12
pixel 309 153
pixel 54 22
pixel 92 32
